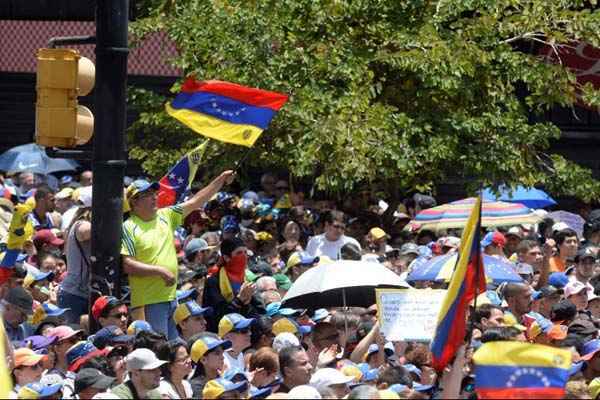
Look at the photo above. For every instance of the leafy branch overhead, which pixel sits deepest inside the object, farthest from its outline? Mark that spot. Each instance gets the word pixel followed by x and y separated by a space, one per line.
pixel 404 92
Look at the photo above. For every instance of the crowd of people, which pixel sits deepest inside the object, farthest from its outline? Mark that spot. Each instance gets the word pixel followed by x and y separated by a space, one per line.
pixel 201 313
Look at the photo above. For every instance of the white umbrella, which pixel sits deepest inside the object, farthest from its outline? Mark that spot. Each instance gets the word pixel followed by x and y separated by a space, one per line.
pixel 342 283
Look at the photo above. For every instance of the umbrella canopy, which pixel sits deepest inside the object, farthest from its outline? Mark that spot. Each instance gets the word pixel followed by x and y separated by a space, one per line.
pixel 455 215
pixel 573 221
pixel 339 284
pixel 441 268
pixel 532 197
pixel 31 157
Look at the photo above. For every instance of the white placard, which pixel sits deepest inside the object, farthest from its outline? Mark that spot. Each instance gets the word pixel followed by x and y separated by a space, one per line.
pixel 409 314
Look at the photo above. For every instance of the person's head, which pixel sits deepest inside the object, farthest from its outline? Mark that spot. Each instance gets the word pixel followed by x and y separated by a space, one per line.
pixel 567 242
pixel 493 243
pixel 489 316
pixel 563 312
pixel 63 200
pixel 267 182
pixel 585 262
pixel 236 328
pixel 49 263
pixel 207 350
pixel 364 392
pixel 529 252
pixel 281 188
pixel 513 239
pixel 18 304
pixel 234 253
pixel 577 293
pixel 142 196
pixel 89 382
pixel 266 284
pixel 545 298
pixel 518 298
pixel 27 366
pixel 222 388
pixel 197 251
pixel 179 362
pixel 501 333
pixel 86 178
pixel 298 263
pixel 44 198
pixel 295 366
pixel 109 310
pixel 324 335
pixel 333 380
pixel 335 224
pixel 265 364
pixel 26 181
pixel 144 369
pixel 261 332
pixel 189 318
pixel 66 338
pixel 394 375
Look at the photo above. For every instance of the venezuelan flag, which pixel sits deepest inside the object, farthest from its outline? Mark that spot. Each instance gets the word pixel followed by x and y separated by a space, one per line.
pixel 179 178
pixel 468 280
pixel 518 370
pixel 225 111
pixel 5 380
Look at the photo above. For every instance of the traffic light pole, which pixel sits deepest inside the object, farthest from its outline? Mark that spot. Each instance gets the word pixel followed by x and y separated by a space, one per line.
pixel 108 155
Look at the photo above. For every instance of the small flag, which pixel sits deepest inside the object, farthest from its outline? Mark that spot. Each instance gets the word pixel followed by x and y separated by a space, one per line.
pixel 518 370
pixel 468 280
pixel 5 379
pixel 225 111
pixel 175 183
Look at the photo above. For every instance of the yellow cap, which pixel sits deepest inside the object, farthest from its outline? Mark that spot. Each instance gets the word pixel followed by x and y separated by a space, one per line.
pixel 65 193
pixel 595 387
pixel 284 325
pixel 510 320
pixel 388 394
pixel 377 233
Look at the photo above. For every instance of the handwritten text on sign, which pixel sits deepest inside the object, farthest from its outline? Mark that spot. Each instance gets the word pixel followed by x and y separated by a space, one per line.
pixel 409 314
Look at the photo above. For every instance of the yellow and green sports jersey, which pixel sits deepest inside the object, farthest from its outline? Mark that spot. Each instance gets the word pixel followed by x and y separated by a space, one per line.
pixel 151 242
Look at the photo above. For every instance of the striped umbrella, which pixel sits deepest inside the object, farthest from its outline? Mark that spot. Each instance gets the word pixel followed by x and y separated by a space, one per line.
pixel 440 269
pixel 455 215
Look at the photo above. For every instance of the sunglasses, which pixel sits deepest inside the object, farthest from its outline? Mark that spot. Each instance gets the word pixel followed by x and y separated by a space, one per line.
pixel 338 226
pixel 243 331
pixel 119 315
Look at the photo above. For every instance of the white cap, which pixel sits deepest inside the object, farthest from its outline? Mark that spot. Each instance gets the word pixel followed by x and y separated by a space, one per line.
pixel 516 231
pixel 559 226
pixel 326 377
pixel 85 196
pixel 304 392
pixel 144 359
pixel 285 339
pixel 574 287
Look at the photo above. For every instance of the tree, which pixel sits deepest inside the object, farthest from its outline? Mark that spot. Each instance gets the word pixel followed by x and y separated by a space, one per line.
pixel 403 94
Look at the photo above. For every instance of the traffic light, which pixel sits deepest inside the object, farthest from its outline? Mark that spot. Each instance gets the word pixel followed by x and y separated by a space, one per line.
pixel 62 76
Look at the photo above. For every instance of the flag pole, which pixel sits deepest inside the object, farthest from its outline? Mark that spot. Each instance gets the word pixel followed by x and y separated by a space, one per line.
pixel 238 164
pixel 480 256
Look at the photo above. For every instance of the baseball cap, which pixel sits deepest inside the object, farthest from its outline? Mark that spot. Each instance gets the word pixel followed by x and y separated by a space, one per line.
pixel 65 193
pixel 564 310
pixel 229 224
pixel 233 322
pixel 38 342
pixel 320 314
pixel 409 248
pixel 82 351
pixel 495 238
pixel 583 327
pixel 377 233
pixel 259 393
pixel 304 392
pixel 195 245
pixel 189 309
pixel 558 279
pixel 85 196
pixel 559 226
pixel 590 349
pixel 64 332
pixel 326 377
pixel 185 295
pixel 285 339
pixel 586 252
pixel 524 269
pixel 594 388
pixel 46 310
pixel 26 357
pixel 510 320
pixel 140 186
pixel 46 236
pixel 38 390
pixel 514 231
pixel 102 303
pixel 206 343
pixel 20 298
pixel 300 258
pixel 452 241
pixel 547 291
pixel 37 277
pixel 574 287
pixel 283 281
pixel 216 387
pixel 143 359
pixel 90 377
pixel 368 374
pixel 138 326
pixel 110 335
pixel 289 325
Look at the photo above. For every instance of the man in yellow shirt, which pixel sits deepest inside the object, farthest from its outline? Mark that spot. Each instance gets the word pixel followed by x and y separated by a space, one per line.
pixel 148 249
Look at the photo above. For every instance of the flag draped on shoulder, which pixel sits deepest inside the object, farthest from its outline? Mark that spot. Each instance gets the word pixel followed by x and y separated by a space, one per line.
pixel 225 111
pixel 467 281
pixel 179 178
pixel 518 370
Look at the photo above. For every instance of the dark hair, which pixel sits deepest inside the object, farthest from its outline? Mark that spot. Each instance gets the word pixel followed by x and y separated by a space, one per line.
pixel 168 352
pixel 261 326
pixel 287 357
pixel 100 363
pixel 41 191
pixel 526 245
pixel 485 311
pixel 149 340
pixel 560 236
pixel 331 216
pixel 392 375
pixel 512 289
pixel 500 334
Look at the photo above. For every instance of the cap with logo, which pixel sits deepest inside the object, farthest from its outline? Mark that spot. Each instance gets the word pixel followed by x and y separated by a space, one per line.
pixel 102 303
pixel 300 258
pixel 138 326
pixel 233 322
pixel 143 359
pixel 206 343
pixel 289 325
pixel 140 186
pixel 82 351
pixel 37 390
pixel 215 388
pixel 495 238
pixel 189 309
pixel 110 335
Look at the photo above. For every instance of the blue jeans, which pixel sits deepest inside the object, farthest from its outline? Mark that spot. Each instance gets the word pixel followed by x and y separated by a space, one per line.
pixel 160 317
pixel 78 306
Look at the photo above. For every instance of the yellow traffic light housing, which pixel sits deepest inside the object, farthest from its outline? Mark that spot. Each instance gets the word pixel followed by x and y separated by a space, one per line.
pixel 62 76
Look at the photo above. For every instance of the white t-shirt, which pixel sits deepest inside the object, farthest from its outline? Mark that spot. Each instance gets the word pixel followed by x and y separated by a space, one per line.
pixel 320 246
pixel 167 390
pixel 237 362
pixel 67 217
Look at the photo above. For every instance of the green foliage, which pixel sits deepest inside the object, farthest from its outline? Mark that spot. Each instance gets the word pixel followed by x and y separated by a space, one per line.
pixel 401 94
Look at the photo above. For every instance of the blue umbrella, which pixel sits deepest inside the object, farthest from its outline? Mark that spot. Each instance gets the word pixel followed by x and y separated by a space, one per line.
pixel 31 157
pixel 440 269
pixel 532 198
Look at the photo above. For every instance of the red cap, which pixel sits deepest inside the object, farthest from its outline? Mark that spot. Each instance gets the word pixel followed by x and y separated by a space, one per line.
pixel 44 236
pixel 101 303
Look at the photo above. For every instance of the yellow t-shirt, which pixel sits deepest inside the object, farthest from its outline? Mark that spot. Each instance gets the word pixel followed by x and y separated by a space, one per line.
pixel 151 242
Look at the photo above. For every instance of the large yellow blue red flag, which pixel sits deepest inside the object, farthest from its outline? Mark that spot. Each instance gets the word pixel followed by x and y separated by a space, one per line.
pixel 225 111
pixel 518 370
pixel 468 280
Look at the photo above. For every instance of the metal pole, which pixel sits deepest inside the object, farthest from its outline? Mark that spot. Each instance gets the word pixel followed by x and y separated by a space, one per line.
pixel 108 160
